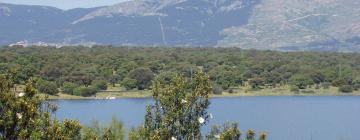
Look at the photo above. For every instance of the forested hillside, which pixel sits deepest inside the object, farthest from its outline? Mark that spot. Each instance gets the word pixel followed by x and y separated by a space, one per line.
pixel 135 67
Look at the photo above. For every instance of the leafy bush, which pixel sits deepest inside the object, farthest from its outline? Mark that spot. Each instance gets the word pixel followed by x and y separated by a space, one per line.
pixel 112 131
pixel 256 83
pixel 346 89
pixel 217 90
pixel 356 87
pixel 69 87
pixel 317 86
pixel 231 131
pixel 231 91
pixel 26 115
pixel 341 81
pixel 100 84
pixel 308 91
pixel 294 89
pixel 326 85
pixel 129 83
pixel 47 87
pixel 85 91
pixel 301 81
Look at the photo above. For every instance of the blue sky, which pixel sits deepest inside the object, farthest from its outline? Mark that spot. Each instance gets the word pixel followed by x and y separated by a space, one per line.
pixel 65 4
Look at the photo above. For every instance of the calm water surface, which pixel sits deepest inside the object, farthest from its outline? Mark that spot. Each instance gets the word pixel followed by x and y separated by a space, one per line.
pixel 284 118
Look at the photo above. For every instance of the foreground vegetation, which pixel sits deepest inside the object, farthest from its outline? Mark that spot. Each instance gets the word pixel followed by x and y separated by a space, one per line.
pixel 179 112
pixel 82 71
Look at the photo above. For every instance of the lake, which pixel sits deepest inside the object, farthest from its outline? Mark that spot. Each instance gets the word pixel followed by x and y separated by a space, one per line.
pixel 284 118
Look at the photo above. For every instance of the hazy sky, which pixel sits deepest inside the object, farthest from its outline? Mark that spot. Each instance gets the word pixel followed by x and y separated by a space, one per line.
pixel 65 4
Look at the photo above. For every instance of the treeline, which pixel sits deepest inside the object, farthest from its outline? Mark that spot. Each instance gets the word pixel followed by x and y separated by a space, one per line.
pixel 179 113
pixel 83 71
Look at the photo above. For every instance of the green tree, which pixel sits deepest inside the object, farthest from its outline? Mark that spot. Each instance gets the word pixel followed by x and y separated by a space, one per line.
pixel 129 83
pixel 115 79
pixel 301 81
pixel 69 87
pixel 85 91
pixel 256 83
pixel 100 84
pixel 27 116
pixel 178 112
pixel 143 77
pixel 47 87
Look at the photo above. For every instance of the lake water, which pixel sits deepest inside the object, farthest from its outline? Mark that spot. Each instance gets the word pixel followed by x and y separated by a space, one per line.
pixel 284 118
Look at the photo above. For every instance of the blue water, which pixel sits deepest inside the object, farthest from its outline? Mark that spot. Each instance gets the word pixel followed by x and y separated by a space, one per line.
pixel 284 118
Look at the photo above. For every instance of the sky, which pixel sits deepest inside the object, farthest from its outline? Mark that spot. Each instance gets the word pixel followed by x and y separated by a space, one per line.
pixel 65 4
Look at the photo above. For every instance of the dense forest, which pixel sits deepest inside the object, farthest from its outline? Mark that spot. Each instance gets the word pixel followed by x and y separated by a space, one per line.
pixel 83 70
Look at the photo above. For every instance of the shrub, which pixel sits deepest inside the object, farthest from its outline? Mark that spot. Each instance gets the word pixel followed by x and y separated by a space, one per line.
pixel 69 87
pixel 231 91
pixel 294 89
pixel 301 81
pixel 25 116
pixel 112 131
pixel 356 87
pixel 326 85
pixel 217 90
pixel 47 87
pixel 341 81
pixel 100 85
pixel 256 83
pixel 85 91
pixel 317 86
pixel 308 91
pixel 129 83
pixel 346 89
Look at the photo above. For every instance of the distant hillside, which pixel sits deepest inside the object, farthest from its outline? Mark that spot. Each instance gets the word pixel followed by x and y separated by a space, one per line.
pixel 290 25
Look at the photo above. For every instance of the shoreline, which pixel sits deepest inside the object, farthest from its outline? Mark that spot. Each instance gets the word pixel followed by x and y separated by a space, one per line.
pixel 225 95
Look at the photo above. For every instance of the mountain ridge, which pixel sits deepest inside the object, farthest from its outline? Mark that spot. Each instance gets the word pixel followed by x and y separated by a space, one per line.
pixel 289 25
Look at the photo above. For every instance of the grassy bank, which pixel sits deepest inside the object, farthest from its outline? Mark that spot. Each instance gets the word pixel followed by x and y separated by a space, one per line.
pixel 281 91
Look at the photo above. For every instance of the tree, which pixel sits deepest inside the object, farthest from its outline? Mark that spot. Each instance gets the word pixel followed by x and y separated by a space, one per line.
pixel 115 79
pixel 69 87
pixel 224 76
pixel 256 83
pixel 301 81
pixel 317 77
pixel 47 87
pixel 85 91
pixel 100 84
pixel 143 77
pixel 27 116
pixel 217 90
pixel 129 83
pixel 81 78
pixel 178 112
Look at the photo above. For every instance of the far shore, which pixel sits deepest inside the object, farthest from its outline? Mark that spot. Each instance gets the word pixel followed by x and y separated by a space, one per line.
pixel 238 92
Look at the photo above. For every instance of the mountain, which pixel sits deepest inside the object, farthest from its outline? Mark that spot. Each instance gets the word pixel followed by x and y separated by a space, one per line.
pixel 290 25
pixel 299 25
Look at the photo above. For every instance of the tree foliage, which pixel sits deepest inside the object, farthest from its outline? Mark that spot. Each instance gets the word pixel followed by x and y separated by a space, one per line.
pixel 47 87
pixel 227 67
pixel 178 111
pixel 27 116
